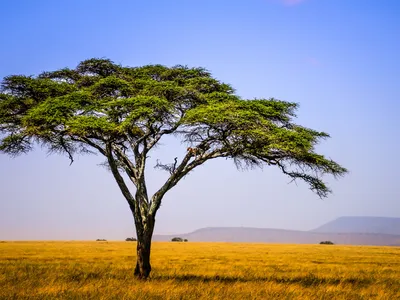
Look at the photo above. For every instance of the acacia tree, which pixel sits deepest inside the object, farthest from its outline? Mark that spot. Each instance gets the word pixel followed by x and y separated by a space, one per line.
pixel 123 112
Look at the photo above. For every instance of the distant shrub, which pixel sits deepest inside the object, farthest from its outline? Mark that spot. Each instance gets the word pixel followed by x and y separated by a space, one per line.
pixel 101 240
pixel 326 243
pixel 130 239
pixel 177 239
pixel 185 240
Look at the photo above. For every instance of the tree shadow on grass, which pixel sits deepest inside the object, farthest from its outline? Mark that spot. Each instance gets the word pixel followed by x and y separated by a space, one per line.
pixel 308 280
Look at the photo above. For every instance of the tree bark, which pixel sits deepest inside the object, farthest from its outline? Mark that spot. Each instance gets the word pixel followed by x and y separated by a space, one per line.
pixel 143 267
pixel 144 235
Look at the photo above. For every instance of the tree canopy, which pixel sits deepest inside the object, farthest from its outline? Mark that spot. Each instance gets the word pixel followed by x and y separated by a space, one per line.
pixel 123 112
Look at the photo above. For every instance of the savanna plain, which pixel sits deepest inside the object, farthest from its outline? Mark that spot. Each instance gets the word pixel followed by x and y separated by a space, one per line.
pixel 104 270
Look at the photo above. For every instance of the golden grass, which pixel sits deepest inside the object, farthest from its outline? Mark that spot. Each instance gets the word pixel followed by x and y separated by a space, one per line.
pixel 104 270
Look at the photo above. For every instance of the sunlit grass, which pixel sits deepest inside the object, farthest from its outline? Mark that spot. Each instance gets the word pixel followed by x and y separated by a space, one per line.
pixel 104 270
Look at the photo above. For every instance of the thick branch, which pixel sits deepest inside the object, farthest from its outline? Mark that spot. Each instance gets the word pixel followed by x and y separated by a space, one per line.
pixel 90 143
pixel 156 199
pixel 120 181
pixel 183 169
pixel 128 165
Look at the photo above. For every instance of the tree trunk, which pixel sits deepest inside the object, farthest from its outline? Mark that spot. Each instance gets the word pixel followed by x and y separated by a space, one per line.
pixel 144 234
pixel 143 267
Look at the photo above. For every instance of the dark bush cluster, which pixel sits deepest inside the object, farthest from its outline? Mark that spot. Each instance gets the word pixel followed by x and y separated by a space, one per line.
pixel 178 239
pixel 130 239
pixel 101 240
pixel 326 243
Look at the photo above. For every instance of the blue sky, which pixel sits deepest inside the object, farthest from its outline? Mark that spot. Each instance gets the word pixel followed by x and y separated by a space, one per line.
pixel 338 58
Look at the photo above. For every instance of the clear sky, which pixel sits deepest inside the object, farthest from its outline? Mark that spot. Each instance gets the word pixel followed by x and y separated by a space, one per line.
pixel 339 59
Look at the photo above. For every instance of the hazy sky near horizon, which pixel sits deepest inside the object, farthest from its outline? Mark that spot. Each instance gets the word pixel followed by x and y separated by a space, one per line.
pixel 338 58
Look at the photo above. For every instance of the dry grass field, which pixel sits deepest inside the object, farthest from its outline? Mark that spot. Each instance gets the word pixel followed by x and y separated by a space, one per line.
pixel 103 270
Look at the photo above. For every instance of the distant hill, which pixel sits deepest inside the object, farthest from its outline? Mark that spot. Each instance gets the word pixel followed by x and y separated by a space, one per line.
pixel 377 225
pixel 265 235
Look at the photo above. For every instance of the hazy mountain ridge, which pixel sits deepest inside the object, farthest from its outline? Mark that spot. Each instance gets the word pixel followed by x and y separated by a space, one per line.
pixel 267 235
pixel 378 225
